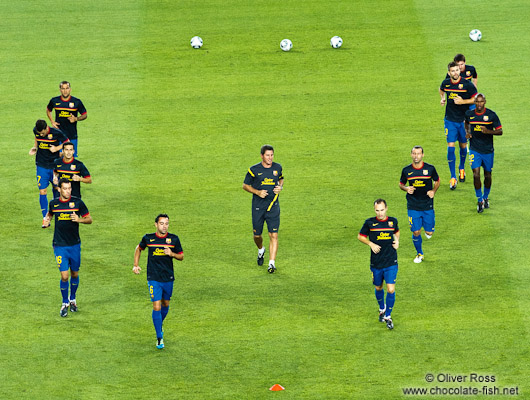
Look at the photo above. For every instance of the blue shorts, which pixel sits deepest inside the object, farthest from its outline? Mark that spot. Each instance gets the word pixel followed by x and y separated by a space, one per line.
pixel 478 160
pixel 455 132
pixel 68 257
pixel 44 177
pixel 160 290
pixel 388 274
pixel 419 219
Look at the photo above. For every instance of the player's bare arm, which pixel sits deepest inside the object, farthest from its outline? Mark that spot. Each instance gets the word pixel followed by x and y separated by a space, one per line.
pixel 81 220
pixel 136 269
pixel 250 189
pixel 363 239
pixel 408 189
pixel 49 114
pixel 72 118
pixel 459 100
pixel 442 95
pixel 487 131
pixel 432 192
pixel 177 256
pixel 279 187
pixel 395 243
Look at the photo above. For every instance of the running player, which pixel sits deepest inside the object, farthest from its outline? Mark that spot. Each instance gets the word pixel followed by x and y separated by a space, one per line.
pixel 163 247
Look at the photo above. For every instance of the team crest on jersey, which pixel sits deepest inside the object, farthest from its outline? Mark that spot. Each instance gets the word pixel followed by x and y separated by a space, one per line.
pixel 425 172
pixel 461 86
pixel 485 118
pixel 468 73
pixel 390 224
pixel 71 105
pixel 168 240
pixel 275 173
pixel 72 167
pixel 71 204
pixel 50 136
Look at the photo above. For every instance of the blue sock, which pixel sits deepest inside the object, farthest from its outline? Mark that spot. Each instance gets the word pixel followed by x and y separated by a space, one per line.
pixel 390 300
pixel 64 290
pixel 380 296
pixel 43 200
pixel 157 322
pixel 164 312
pixel 417 243
pixel 487 192
pixel 463 154
pixel 478 193
pixel 451 159
pixel 74 283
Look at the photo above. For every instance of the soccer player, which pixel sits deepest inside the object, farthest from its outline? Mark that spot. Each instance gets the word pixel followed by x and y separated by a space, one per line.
pixel 479 123
pixel 69 212
pixel 265 181
pixel 48 142
pixel 460 93
pixel 417 180
pixel 163 248
pixel 68 111
pixel 70 168
pixel 381 233
pixel 466 71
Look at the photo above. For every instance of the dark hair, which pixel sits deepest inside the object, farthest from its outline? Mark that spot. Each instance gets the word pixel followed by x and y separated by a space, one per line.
pixel 417 147
pixel 65 83
pixel 379 201
pixel 40 125
pixel 68 144
pixel 63 180
pixel 161 216
pixel 459 57
pixel 266 147
pixel 451 65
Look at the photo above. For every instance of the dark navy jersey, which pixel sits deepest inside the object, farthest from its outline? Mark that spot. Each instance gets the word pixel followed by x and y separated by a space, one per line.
pixel 480 142
pixel 160 265
pixel 262 178
pixel 381 232
pixel 67 231
pixel 45 157
pixel 469 73
pixel 65 108
pixel 68 170
pixel 422 180
pixel 463 88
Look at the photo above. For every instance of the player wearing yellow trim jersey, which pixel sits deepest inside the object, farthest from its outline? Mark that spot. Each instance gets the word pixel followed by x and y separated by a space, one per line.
pixel 265 181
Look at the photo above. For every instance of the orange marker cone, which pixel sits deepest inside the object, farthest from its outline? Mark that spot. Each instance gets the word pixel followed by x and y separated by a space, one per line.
pixel 277 388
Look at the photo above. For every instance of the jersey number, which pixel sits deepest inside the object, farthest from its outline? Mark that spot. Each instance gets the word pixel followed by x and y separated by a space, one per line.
pixel 446 132
pixel 151 290
pixel 59 260
pixel 410 221
pixel 471 158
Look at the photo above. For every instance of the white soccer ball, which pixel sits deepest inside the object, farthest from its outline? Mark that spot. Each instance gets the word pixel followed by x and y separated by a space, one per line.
pixel 286 45
pixel 475 35
pixel 336 42
pixel 196 42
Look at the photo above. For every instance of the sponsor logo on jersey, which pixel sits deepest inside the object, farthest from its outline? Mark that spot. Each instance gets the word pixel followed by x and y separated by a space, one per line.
pixel 418 183
pixel 267 181
pixel 377 223
pixel 57 104
pixel 410 173
pixel 383 236
pixel 56 205
pixel 71 204
pixel 151 240
pixel 260 173
pixel 159 251
pixel 64 217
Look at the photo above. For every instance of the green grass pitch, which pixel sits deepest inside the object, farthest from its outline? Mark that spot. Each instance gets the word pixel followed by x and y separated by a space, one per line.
pixel 173 129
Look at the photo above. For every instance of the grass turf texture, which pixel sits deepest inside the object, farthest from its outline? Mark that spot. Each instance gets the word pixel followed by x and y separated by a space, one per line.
pixel 172 129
